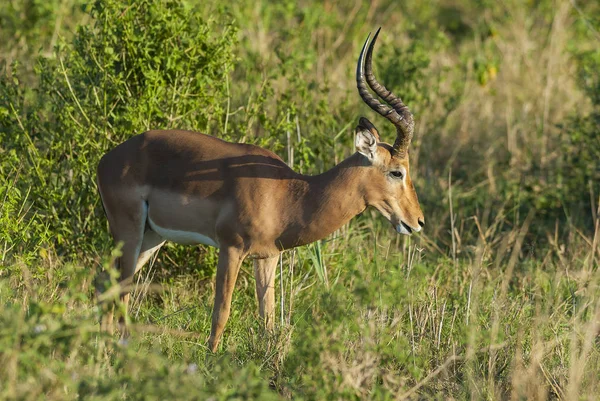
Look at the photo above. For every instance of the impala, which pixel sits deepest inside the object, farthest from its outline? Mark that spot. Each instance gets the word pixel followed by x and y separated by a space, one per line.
pixel 191 188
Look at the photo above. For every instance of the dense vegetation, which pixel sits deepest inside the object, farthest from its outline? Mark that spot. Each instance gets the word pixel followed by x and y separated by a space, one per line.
pixel 498 298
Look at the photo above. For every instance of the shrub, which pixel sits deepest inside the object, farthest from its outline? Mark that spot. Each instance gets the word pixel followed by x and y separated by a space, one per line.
pixel 140 64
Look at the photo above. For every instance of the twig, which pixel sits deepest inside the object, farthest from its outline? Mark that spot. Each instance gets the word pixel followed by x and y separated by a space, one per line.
pixel 441 368
pixel 429 377
pixel 175 313
pixel 228 104
pixel 585 19
pixel 281 286
pixel 64 71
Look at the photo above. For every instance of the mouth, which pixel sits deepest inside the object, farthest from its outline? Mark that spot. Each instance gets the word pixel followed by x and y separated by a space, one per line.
pixel 404 228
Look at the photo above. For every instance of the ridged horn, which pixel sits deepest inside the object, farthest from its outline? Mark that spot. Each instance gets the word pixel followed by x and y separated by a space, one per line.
pixel 398 113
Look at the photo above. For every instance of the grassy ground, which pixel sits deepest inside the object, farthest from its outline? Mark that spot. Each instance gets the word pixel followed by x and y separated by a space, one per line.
pixel 388 322
pixel 498 298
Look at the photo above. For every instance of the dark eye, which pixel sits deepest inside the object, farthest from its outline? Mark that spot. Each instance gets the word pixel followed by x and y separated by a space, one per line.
pixel 396 174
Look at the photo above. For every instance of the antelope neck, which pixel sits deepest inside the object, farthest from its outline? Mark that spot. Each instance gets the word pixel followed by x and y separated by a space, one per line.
pixel 332 198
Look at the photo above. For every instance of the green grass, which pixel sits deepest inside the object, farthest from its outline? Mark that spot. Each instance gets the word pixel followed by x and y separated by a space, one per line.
pixel 394 324
pixel 497 298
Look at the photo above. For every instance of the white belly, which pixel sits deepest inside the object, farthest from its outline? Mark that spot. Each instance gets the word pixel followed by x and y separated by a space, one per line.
pixel 182 237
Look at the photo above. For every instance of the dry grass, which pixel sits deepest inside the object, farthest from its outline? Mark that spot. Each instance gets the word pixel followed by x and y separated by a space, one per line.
pixel 497 299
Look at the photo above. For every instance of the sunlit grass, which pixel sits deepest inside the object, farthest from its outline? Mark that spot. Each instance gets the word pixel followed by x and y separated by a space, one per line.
pixel 497 298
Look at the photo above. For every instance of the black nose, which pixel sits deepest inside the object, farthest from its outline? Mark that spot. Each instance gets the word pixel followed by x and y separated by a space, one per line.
pixel 421 222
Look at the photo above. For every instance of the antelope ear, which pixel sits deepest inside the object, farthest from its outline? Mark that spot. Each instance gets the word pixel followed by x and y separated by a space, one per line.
pixel 365 142
pixel 368 125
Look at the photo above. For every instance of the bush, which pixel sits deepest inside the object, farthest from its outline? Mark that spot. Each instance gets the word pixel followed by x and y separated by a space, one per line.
pixel 140 65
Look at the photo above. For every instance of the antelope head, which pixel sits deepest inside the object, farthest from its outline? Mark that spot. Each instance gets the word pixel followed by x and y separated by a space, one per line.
pixel 391 190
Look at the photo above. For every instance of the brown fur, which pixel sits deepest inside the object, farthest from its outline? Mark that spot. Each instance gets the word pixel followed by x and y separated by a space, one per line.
pixel 243 197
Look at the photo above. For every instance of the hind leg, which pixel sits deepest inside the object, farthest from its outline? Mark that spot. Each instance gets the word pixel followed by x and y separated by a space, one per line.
pixel 127 220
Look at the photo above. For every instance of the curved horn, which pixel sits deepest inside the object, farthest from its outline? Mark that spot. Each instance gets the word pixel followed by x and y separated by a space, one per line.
pixel 373 103
pixel 398 114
